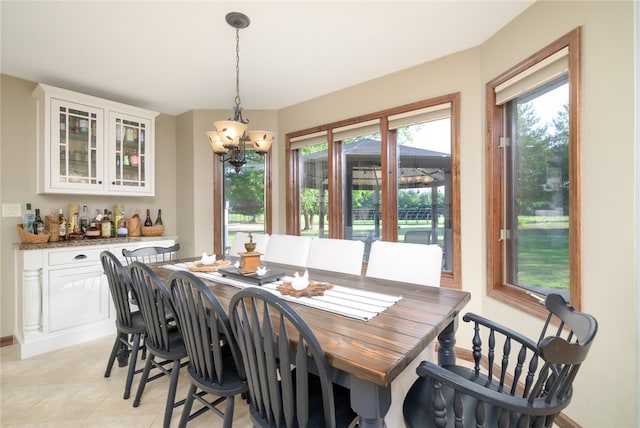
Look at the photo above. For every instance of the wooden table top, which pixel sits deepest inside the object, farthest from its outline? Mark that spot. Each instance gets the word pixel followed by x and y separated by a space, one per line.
pixel 379 349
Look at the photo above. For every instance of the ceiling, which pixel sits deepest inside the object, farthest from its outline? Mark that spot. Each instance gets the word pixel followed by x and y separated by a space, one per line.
pixel 175 56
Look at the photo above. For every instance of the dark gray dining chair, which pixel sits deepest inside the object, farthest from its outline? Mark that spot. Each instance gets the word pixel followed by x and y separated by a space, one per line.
pixel 266 329
pixel 215 364
pixel 151 254
pixel 163 339
pixel 130 327
pixel 527 386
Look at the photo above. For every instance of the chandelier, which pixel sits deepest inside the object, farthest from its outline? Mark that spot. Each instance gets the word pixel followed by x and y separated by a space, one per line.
pixel 231 139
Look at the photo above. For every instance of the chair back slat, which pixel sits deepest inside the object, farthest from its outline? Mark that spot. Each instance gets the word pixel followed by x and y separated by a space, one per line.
pixel 151 254
pixel 119 287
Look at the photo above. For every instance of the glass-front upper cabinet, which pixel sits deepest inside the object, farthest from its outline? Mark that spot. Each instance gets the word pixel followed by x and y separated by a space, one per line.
pixel 131 154
pixel 77 146
pixel 92 146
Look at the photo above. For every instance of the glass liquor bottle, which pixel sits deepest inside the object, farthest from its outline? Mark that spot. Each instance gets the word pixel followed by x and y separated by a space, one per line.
pixel 27 220
pixel 38 224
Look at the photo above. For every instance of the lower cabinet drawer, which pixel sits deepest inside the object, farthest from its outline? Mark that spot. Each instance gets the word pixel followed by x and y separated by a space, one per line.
pixel 79 255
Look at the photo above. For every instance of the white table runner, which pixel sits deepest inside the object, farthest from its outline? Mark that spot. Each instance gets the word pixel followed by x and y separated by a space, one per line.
pixel 347 301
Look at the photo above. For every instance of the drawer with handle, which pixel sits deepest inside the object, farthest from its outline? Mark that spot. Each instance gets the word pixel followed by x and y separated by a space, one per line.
pixel 76 256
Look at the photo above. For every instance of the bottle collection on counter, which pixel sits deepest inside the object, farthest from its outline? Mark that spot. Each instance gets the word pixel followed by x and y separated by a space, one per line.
pixel 79 224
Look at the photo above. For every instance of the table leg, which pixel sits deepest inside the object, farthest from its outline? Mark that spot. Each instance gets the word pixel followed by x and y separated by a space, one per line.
pixel 371 402
pixel 447 341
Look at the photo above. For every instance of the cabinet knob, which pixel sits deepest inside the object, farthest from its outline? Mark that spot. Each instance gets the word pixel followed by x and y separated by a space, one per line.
pixel 80 257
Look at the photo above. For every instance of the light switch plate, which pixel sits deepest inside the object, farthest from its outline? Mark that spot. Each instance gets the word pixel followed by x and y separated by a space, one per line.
pixel 11 210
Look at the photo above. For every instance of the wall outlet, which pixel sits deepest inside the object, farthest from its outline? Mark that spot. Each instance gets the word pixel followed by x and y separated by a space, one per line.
pixel 11 210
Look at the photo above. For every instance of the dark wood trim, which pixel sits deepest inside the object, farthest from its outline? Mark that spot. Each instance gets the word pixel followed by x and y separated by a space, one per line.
pixel 453 279
pixel 575 220
pixel 442 99
pixel 497 285
pixel 389 160
pixel 218 206
pixel 268 203
pixel 293 196
pixel 7 341
pixel 334 162
pixel 389 196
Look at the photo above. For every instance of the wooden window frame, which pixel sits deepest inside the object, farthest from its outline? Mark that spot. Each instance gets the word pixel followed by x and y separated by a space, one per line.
pixel 450 279
pixel 218 201
pixel 497 287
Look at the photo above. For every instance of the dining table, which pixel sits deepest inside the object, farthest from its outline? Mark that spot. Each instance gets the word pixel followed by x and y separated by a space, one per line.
pixel 368 349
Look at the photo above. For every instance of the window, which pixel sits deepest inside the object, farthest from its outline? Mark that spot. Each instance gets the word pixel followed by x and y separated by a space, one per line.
pixel 533 178
pixel 243 198
pixel 390 175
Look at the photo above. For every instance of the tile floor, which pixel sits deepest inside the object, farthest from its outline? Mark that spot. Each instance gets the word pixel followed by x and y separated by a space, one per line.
pixel 67 388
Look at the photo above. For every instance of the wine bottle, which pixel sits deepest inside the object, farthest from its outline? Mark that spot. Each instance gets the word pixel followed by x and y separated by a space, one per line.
pixel 159 218
pixel 27 219
pixel 147 221
pixel 38 224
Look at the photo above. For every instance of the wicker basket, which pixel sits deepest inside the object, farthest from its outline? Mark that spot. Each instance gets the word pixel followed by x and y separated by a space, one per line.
pixel 30 238
pixel 152 230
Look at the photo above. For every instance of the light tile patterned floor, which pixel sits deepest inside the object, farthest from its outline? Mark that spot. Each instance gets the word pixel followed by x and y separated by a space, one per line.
pixel 67 388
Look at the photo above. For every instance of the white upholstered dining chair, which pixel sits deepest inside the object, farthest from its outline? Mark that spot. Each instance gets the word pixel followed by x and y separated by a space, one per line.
pixel 241 238
pixel 417 264
pixel 288 249
pixel 405 262
pixel 337 255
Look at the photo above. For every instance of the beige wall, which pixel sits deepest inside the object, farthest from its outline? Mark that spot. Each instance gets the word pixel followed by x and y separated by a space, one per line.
pixel 608 193
pixel 605 393
pixel 18 181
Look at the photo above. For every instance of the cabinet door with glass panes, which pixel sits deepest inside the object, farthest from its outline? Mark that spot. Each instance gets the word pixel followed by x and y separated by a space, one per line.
pixel 130 155
pixel 77 147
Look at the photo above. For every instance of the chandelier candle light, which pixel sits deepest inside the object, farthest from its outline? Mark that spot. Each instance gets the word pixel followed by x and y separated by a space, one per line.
pixel 231 138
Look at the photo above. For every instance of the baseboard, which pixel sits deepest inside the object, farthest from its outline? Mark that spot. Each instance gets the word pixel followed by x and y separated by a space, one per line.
pixel 7 341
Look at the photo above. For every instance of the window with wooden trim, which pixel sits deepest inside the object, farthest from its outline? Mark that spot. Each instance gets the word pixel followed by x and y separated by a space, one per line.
pixel 533 178
pixel 242 198
pixel 390 175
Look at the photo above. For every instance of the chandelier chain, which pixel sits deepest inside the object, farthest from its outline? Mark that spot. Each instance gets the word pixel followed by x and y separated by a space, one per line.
pixel 237 67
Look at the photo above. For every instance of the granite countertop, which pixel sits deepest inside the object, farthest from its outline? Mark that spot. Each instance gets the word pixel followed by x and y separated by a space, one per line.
pixel 90 242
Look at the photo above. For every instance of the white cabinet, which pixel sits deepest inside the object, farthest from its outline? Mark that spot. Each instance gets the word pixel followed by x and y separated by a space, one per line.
pixel 92 146
pixel 63 295
pixel 77 296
